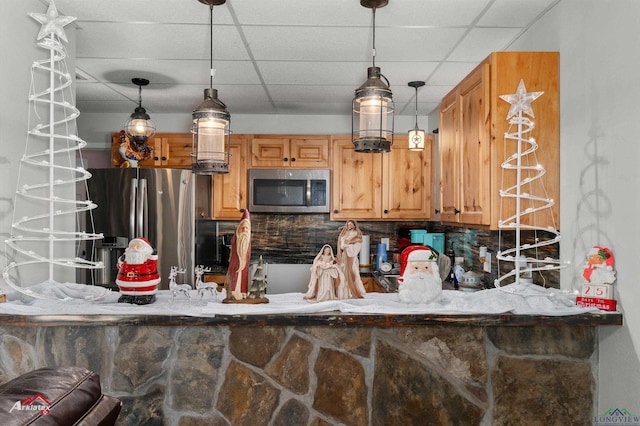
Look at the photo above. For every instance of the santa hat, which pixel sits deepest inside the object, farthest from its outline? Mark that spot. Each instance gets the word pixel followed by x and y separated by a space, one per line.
pixel 604 254
pixel 144 242
pixel 416 253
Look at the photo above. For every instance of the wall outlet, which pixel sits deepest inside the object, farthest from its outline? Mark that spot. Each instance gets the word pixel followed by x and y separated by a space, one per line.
pixel 486 266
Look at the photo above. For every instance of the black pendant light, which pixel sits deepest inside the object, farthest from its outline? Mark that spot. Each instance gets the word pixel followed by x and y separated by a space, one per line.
pixel 139 127
pixel 373 108
pixel 211 122
pixel 416 135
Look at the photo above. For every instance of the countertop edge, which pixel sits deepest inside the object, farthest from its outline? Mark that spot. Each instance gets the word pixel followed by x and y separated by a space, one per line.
pixel 330 319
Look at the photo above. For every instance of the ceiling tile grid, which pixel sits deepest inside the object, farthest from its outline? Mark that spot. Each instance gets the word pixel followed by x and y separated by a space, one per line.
pixel 283 56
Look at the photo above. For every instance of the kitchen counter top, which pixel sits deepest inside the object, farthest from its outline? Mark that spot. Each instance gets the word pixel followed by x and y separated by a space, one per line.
pixel 530 306
pixel 332 319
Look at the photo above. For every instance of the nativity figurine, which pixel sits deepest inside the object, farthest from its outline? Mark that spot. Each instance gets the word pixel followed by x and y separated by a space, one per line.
pixel 349 243
pixel 420 280
pixel 327 281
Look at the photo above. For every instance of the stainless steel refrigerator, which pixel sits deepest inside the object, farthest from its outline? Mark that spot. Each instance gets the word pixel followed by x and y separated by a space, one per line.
pixel 157 204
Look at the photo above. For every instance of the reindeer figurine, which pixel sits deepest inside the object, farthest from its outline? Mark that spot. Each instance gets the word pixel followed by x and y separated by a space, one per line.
pixel 201 286
pixel 178 288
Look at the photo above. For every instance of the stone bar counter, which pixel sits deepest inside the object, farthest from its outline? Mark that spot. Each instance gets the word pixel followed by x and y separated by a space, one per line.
pixel 324 368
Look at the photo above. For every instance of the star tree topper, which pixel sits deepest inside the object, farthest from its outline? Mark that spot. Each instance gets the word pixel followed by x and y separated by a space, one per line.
pixel 521 101
pixel 52 23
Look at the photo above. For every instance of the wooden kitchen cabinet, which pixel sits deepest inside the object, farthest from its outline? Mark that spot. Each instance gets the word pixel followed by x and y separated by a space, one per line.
pixel 290 151
pixel 230 189
pixel 472 146
pixel 390 186
pixel 170 150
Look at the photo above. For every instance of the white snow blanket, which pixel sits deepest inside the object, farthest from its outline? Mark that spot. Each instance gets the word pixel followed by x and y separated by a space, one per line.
pixel 79 299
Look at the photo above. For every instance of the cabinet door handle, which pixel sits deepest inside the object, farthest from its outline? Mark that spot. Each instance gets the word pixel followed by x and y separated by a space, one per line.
pixel 155 158
pixel 164 158
pixel 336 211
pixel 437 211
pixel 293 159
pixel 285 159
pixel 386 211
pixel 456 211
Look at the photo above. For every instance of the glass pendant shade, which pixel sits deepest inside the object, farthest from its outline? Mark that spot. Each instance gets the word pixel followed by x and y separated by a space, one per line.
pixel 416 139
pixel 140 127
pixel 211 135
pixel 373 112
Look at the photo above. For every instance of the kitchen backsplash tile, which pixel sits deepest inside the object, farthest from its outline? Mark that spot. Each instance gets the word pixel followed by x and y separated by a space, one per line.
pixel 295 238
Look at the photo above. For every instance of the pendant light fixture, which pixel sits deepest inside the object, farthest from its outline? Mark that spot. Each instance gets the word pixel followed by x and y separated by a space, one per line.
pixel 211 120
pixel 416 136
pixel 139 127
pixel 373 108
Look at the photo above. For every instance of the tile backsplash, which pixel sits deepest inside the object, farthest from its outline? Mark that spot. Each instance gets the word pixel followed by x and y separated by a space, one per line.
pixel 296 238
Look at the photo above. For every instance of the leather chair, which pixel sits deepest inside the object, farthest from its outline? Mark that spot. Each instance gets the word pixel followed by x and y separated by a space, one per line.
pixel 57 396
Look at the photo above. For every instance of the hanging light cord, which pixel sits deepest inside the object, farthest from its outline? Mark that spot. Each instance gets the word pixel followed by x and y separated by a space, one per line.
pixel 139 96
pixel 374 35
pixel 416 107
pixel 211 45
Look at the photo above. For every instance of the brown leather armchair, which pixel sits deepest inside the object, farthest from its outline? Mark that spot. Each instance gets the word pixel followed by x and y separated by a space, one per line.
pixel 57 396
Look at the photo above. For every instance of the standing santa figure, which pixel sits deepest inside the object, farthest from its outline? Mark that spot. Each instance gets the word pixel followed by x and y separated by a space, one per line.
pixel 420 280
pixel 236 282
pixel 138 276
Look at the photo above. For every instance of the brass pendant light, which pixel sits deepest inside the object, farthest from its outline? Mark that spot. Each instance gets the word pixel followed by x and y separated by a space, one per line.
pixel 373 107
pixel 211 122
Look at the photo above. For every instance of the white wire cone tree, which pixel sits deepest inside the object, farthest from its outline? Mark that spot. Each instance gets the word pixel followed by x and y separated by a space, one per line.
pixel 47 215
pixel 528 175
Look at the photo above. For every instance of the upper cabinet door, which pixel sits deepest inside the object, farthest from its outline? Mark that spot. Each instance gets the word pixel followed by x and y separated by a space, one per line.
pixel 309 152
pixel 356 191
pixel 475 154
pixel 230 189
pixel 449 163
pixel 287 151
pixel 406 181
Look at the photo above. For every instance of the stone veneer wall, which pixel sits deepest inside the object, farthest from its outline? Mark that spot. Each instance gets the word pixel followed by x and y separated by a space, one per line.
pixel 323 375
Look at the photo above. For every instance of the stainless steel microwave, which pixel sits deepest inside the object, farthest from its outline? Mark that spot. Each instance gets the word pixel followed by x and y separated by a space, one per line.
pixel 289 191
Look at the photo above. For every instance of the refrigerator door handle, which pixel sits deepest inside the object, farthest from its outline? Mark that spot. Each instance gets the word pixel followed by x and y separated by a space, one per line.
pixel 132 208
pixel 143 227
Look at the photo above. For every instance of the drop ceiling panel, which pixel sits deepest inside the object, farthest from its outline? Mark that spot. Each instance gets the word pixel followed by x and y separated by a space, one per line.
pixel 302 13
pixel 171 72
pixel 158 41
pixel 313 73
pixel 411 44
pixel 176 11
pixel 450 73
pixel 307 43
pixel 514 13
pixel 480 42
pixel 436 13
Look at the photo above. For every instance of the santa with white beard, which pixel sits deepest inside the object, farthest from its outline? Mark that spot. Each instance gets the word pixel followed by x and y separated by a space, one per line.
pixel 138 276
pixel 420 281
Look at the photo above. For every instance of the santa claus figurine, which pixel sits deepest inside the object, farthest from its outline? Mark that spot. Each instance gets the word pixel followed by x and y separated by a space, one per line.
pixel 138 276
pixel 420 280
